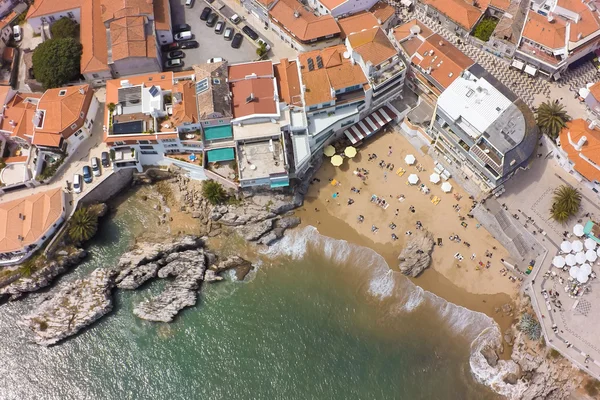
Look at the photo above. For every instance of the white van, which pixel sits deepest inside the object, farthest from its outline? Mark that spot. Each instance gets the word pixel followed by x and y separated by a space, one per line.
pixel 77 183
pixel 189 3
pixel 17 35
pixel 181 36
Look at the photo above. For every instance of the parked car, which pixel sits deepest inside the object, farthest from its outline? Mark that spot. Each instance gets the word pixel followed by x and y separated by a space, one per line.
pixel 182 36
pixel 189 3
pixel 190 44
pixel 235 19
pixel 174 63
pixel 96 166
pixel 175 54
pixel 87 174
pixel 205 13
pixel 237 41
pixel 181 28
pixel 171 46
pixel 17 35
pixel 215 60
pixel 212 20
pixel 248 31
pixel 228 35
pixel 105 159
pixel 261 42
pixel 77 183
pixel 219 27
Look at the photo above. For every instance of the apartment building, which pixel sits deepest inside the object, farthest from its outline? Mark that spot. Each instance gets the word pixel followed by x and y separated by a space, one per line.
pixel 340 8
pixel 579 152
pixel 482 131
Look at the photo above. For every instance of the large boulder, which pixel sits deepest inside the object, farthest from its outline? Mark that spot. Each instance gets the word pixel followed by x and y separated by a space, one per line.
pixel 416 255
pixel 139 276
pixel 490 355
pixel 253 232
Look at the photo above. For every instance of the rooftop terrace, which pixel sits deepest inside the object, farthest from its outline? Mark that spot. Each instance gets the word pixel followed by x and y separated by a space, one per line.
pixel 261 159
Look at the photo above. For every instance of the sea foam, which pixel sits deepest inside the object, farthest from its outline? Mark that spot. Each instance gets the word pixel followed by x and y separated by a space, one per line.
pixel 384 283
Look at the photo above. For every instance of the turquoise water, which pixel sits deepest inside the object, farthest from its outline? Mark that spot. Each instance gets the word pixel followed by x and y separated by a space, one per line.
pixel 308 325
pixel 217 132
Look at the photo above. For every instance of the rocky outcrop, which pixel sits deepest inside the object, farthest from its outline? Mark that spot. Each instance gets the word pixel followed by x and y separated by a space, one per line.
pixel 136 277
pixel 43 277
pixel 188 269
pixel 490 355
pixel 75 306
pixel 416 255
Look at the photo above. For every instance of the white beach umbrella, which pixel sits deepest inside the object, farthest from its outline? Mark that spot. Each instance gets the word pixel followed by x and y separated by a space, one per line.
pixel 446 187
pixel 566 246
pixel 582 277
pixel 570 260
pixel 413 179
pixel 434 178
pixel 559 261
pixel 580 257
pixel 590 244
pixel 598 251
pixel 591 256
pixel 573 272
pixel 410 159
pixel 576 246
pixel 586 268
pixel 578 230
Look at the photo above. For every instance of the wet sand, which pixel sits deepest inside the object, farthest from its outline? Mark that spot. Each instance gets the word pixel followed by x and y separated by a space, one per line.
pixel 462 283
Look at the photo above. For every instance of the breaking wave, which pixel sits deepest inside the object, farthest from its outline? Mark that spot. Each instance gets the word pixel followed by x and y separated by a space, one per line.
pixel 387 285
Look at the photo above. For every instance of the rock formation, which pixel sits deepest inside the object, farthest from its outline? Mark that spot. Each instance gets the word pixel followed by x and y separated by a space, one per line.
pixel 416 255
pixel 74 307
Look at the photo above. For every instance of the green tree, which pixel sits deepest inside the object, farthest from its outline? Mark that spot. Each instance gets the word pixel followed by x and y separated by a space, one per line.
pixel 65 28
pixel 551 117
pixel 111 107
pixel 261 50
pixel 213 192
pixel 565 203
pixel 56 62
pixel 485 28
pixel 82 225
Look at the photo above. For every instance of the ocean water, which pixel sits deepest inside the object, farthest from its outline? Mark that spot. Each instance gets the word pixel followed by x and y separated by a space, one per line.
pixel 320 319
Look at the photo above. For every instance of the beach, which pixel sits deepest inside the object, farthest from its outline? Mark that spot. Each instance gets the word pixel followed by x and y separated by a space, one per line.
pixel 467 282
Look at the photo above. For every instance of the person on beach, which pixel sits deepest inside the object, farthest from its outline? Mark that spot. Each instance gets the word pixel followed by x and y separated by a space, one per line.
pixel 390 151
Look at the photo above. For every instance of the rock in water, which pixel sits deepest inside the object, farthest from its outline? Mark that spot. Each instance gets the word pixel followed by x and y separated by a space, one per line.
pixel 139 276
pixel 74 307
pixel 188 268
pixel 416 255
pixel 490 355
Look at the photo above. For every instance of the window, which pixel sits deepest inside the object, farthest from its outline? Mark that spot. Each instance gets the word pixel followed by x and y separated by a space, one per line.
pixel 206 122
pixel 147 147
pixel 171 145
pixel 119 143
pixel 168 140
pixel 143 141
pixel 312 108
pixel 78 133
pixel 52 18
pixel 149 152
pixel 70 14
pixel 43 20
pixel 62 93
pixel 95 76
pixel 74 126
pixel 81 114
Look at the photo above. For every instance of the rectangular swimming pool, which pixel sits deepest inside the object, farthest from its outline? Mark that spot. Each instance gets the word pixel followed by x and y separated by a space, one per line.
pixel 218 132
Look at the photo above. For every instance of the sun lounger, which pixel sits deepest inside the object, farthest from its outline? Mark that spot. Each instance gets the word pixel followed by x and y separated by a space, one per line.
pixel 400 171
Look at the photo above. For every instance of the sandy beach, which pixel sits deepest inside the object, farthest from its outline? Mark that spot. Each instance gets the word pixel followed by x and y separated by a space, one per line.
pixel 465 282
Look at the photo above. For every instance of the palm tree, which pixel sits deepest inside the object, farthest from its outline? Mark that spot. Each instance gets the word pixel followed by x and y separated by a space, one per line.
pixel 83 225
pixel 566 202
pixel 551 117
pixel 213 192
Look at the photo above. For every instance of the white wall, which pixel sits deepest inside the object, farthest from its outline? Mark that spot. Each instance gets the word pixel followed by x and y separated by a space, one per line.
pixel 352 7
pixel 36 23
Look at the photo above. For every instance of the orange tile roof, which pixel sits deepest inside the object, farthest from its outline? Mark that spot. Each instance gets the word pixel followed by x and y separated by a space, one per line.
pixel 266 3
pixel 40 212
pixel 61 112
pixel 331 4
pixel 587 160
pixel 128 37
pixel 45 7
pixel 92 34
pixel 261 88
pixel 383 11
pixel 185 111
pixel 337 73
pixel 500 4
pixel 162 15
pixel 372 45
pixel 356 23
pixel 306 26
pixel 114 9
pixel 7 19
pixel 463 13
pixel 577 6
pixel 595 90
pixel 587 25
pixel 47 139
pixel 18 115
pixel 404 31
pixel 411 46
pixel 15 159
pixel 549 34
pixel 446 61
pixel 288 82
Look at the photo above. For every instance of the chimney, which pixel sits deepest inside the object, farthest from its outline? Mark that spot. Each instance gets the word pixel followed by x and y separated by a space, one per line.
pixel 580 143
pixel 550 17
pixel 441 43
pixel 592 125
pixel 296 14
pixel 81 90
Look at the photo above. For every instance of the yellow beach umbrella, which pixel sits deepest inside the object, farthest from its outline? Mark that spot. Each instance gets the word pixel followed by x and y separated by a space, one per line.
pixel 337 160
pixel 329 151
pixel 350 151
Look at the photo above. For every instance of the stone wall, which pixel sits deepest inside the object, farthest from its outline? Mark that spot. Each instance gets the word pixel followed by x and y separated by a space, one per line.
pixel 109 187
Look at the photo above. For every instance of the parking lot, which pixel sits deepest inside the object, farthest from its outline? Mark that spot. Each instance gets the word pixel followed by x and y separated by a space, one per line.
pixel 210 44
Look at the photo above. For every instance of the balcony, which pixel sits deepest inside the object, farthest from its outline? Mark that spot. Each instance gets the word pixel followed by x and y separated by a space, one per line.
pixel 540 54
pixel 318 123
pixel 383 77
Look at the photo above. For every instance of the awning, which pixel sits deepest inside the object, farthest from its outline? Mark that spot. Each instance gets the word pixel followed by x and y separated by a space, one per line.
pixel 370 124
pixel 530 70
pixel 517 64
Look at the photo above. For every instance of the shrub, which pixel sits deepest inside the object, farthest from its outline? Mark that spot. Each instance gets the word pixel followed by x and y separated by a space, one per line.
pixel 65 28
pixel 530 326
pixel 50 170
pixel 56 62
pixel 213 192
pixel 485 28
